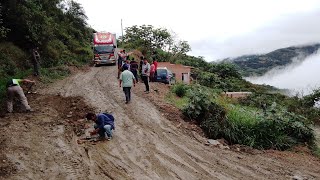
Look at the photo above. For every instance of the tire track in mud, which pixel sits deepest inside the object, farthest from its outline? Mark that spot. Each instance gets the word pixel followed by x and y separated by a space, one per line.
pixel 72 166
pixel 148 146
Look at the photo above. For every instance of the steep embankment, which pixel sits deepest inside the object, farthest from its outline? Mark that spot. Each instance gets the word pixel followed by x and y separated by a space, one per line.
pixel 146 145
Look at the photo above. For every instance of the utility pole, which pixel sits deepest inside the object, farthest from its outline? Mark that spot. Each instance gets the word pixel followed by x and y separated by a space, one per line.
pixel 121 30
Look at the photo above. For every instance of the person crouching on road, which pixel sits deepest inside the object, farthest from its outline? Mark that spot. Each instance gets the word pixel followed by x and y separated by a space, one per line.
pixel 127 79
pixel 14 88
pixel 103 125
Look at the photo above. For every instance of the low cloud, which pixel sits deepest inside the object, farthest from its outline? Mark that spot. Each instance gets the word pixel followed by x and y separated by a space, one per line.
pixel 299 78
pixel 287 31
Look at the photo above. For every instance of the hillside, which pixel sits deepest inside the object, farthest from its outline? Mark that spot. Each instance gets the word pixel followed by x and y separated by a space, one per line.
pixel 249 65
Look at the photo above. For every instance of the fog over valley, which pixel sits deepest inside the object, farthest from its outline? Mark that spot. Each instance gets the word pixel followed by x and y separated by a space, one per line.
pixel 299 78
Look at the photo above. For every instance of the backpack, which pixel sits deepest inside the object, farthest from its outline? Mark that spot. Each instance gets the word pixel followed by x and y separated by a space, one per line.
pixel 109 116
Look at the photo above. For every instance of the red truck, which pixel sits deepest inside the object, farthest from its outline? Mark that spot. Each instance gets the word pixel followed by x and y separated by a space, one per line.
pixel 104 48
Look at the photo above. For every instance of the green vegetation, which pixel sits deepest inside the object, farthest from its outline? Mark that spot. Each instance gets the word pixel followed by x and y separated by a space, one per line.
pixel 50 74
pixel 220 117
pixel 58 28
pixel 179 102
pixel 180 89
pixel 316 150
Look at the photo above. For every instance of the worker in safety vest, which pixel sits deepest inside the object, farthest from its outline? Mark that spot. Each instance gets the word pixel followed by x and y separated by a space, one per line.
pixel 14 88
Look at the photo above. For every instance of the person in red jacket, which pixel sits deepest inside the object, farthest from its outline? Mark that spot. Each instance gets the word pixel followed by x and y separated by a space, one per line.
pixel 152 70
pixel 155 62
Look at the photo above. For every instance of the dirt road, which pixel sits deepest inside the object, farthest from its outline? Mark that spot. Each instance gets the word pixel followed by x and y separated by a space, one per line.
pixel 146 145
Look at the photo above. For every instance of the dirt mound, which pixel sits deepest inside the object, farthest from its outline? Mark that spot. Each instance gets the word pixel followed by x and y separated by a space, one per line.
pixel 33 136
pixel 136 53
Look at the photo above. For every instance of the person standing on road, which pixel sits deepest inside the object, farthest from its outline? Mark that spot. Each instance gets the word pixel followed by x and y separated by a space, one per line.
pixel 155 62
pixel 152 71
pixel 134 69
pixel 104 125
pixel 145 74
pixel 127 63
pixel 140 66
pixel 127 79
pixel 119 62
pixel 122 57
pixel 14 88
pixel 36 61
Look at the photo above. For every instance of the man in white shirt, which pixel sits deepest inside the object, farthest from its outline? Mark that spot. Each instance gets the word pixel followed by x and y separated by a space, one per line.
pixel 127 79
pixel 145 73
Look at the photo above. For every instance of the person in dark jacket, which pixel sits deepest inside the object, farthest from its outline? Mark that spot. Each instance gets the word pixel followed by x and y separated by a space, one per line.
pixel 104 124
pixel 140 66
pixel 36 61
pixel 134 68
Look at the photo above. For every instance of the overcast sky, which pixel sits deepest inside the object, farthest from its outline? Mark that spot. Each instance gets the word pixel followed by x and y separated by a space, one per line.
pixel 216 29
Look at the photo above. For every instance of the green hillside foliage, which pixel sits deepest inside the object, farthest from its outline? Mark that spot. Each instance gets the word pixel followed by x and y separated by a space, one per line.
pixel 57 27
pixel 272 127
pixel 256 65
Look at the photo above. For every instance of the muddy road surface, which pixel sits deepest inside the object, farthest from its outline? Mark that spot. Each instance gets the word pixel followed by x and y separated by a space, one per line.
pixel 146 144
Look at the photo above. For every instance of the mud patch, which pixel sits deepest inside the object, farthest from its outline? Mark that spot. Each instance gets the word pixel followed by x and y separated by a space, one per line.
pixel 24 135
pixel 157 95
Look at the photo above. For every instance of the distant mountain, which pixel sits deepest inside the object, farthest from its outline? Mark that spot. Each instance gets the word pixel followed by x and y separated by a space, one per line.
pixel 257 65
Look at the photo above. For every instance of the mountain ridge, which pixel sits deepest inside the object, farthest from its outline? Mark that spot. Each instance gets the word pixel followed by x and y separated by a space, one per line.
pixel 259 64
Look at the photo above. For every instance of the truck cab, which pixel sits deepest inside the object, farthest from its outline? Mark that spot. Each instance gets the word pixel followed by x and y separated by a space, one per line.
pixel 104 48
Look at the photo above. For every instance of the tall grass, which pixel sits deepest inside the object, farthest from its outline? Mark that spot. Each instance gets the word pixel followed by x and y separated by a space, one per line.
pixel 178 102
pixel 50 74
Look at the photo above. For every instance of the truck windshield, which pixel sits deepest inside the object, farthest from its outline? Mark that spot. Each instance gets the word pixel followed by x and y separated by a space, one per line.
pixel 103 49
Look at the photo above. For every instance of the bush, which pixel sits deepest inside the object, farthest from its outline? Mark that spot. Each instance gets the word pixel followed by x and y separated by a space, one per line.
pixel 199 103
pixel 277 130
pixel 84 54
pixel 180 89
pixel 11 59
pixel 49 74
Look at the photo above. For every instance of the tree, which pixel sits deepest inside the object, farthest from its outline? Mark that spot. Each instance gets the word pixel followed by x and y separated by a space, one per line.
pixel 181 48
pixel 225 70
pixel 3 30
pixel 146 38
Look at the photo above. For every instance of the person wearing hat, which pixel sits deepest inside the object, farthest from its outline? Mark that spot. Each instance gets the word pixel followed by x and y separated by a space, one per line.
pixel 14 88
pixel 104 125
